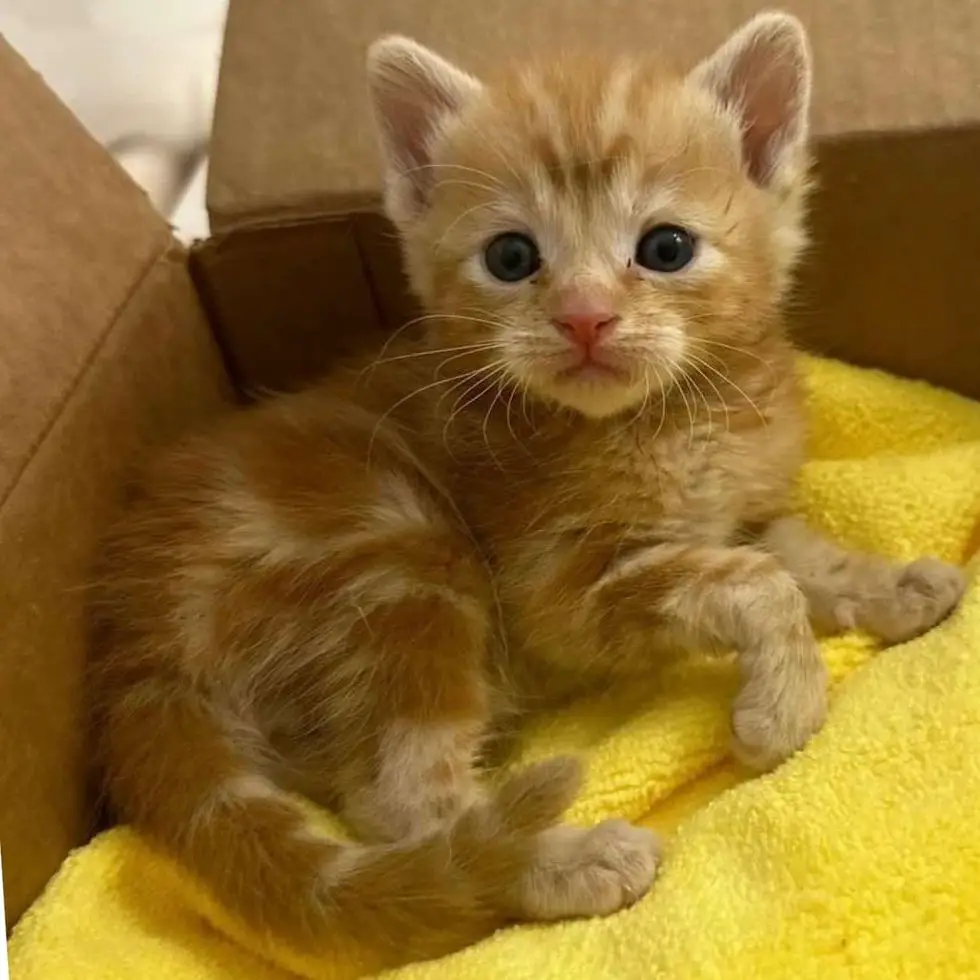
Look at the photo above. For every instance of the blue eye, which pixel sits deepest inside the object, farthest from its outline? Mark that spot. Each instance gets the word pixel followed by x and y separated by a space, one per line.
pixel 512 257
pixel 666 248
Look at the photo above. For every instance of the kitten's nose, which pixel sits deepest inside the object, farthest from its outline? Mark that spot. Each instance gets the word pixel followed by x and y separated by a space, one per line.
pixel 585 321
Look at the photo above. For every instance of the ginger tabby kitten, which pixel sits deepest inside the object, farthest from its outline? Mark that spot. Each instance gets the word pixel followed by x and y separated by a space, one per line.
pixel 583 464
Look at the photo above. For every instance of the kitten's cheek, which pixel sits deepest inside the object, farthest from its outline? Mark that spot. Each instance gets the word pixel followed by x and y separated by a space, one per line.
pixel 673 343
pixel 668 346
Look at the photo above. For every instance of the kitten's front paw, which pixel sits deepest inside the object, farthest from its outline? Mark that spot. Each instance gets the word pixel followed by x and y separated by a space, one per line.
pixel 926 592
pixel 775 716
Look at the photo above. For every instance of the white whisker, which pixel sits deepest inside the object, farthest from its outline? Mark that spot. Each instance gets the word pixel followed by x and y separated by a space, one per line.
pixel 453 166
pixel 737 350
pixel 462 349
pixel 727 380
pixel 510 426
pixel 695 362
pixel 690 416
pixel 487 377
pixel 460 217
pixel 700 395
pixel 412 394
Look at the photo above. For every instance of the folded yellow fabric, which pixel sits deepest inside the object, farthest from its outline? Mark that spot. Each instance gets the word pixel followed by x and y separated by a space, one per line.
pixel 858 858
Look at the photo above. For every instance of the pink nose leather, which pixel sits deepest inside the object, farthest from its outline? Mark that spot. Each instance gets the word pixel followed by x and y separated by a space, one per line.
pixel 583 318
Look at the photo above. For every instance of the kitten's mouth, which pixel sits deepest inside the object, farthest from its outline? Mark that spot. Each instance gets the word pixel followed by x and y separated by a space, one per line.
pixel 593 367
pixel 592 383
pixel 590 370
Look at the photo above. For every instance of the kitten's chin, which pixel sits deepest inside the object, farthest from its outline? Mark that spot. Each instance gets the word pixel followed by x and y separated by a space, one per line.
pixel 595 388
pixel 594 394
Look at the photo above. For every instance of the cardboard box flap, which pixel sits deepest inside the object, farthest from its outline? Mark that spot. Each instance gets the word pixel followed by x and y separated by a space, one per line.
pixel 293 132
pixel 103 350
pixel 77 236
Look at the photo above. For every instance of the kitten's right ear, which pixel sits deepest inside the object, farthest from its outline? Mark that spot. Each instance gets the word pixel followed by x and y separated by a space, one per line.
pixel 414 92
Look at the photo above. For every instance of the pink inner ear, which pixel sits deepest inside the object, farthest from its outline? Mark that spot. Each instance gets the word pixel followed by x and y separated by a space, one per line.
pixel 413 114
pixel 765 86
pixel 411 109
pixel 414 90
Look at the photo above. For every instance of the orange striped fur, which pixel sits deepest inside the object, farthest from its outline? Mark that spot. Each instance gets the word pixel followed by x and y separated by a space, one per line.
pixel 350 592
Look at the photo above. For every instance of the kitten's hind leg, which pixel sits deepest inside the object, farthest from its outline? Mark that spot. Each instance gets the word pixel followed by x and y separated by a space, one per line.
pixel 411 767
pixel 425 783
pixel 846 589
pixel 431 704
pixel 378 641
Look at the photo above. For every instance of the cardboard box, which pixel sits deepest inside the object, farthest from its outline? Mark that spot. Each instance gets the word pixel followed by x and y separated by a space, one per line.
pixel 105 348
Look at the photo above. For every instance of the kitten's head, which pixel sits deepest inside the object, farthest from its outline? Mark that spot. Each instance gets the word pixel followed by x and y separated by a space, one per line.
pixel 599 230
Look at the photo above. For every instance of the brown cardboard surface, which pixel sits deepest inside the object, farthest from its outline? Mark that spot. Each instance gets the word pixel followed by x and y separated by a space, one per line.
pixel 103 350
pixel 261 288
pixel 292 127
pixel 76 234
pixel 156 373
pixel 891 279
pixel 897 113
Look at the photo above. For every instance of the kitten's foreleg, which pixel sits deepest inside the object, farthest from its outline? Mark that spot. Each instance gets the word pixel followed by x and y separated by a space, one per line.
pixel 729 597
pixel 848 589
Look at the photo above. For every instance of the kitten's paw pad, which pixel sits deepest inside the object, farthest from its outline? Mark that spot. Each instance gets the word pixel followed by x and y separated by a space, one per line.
pixel 926 592
pixel 585 873
pixel 771 724
pixel 620 861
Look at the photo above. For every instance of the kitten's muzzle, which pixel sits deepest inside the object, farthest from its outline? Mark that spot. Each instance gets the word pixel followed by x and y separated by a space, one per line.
pixel 584 316
pixel 587 333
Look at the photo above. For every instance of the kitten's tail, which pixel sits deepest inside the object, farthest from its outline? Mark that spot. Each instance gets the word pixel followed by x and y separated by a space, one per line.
pixel 193 784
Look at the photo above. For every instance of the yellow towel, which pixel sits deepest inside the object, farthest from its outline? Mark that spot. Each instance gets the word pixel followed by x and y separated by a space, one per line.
pixel 858 858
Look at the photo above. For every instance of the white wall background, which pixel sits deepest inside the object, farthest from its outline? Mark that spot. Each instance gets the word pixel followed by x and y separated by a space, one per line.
pixel 141 75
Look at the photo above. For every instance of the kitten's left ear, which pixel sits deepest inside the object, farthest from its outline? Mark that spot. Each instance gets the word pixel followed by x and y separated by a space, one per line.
pixel 414 92
pixel 762 75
